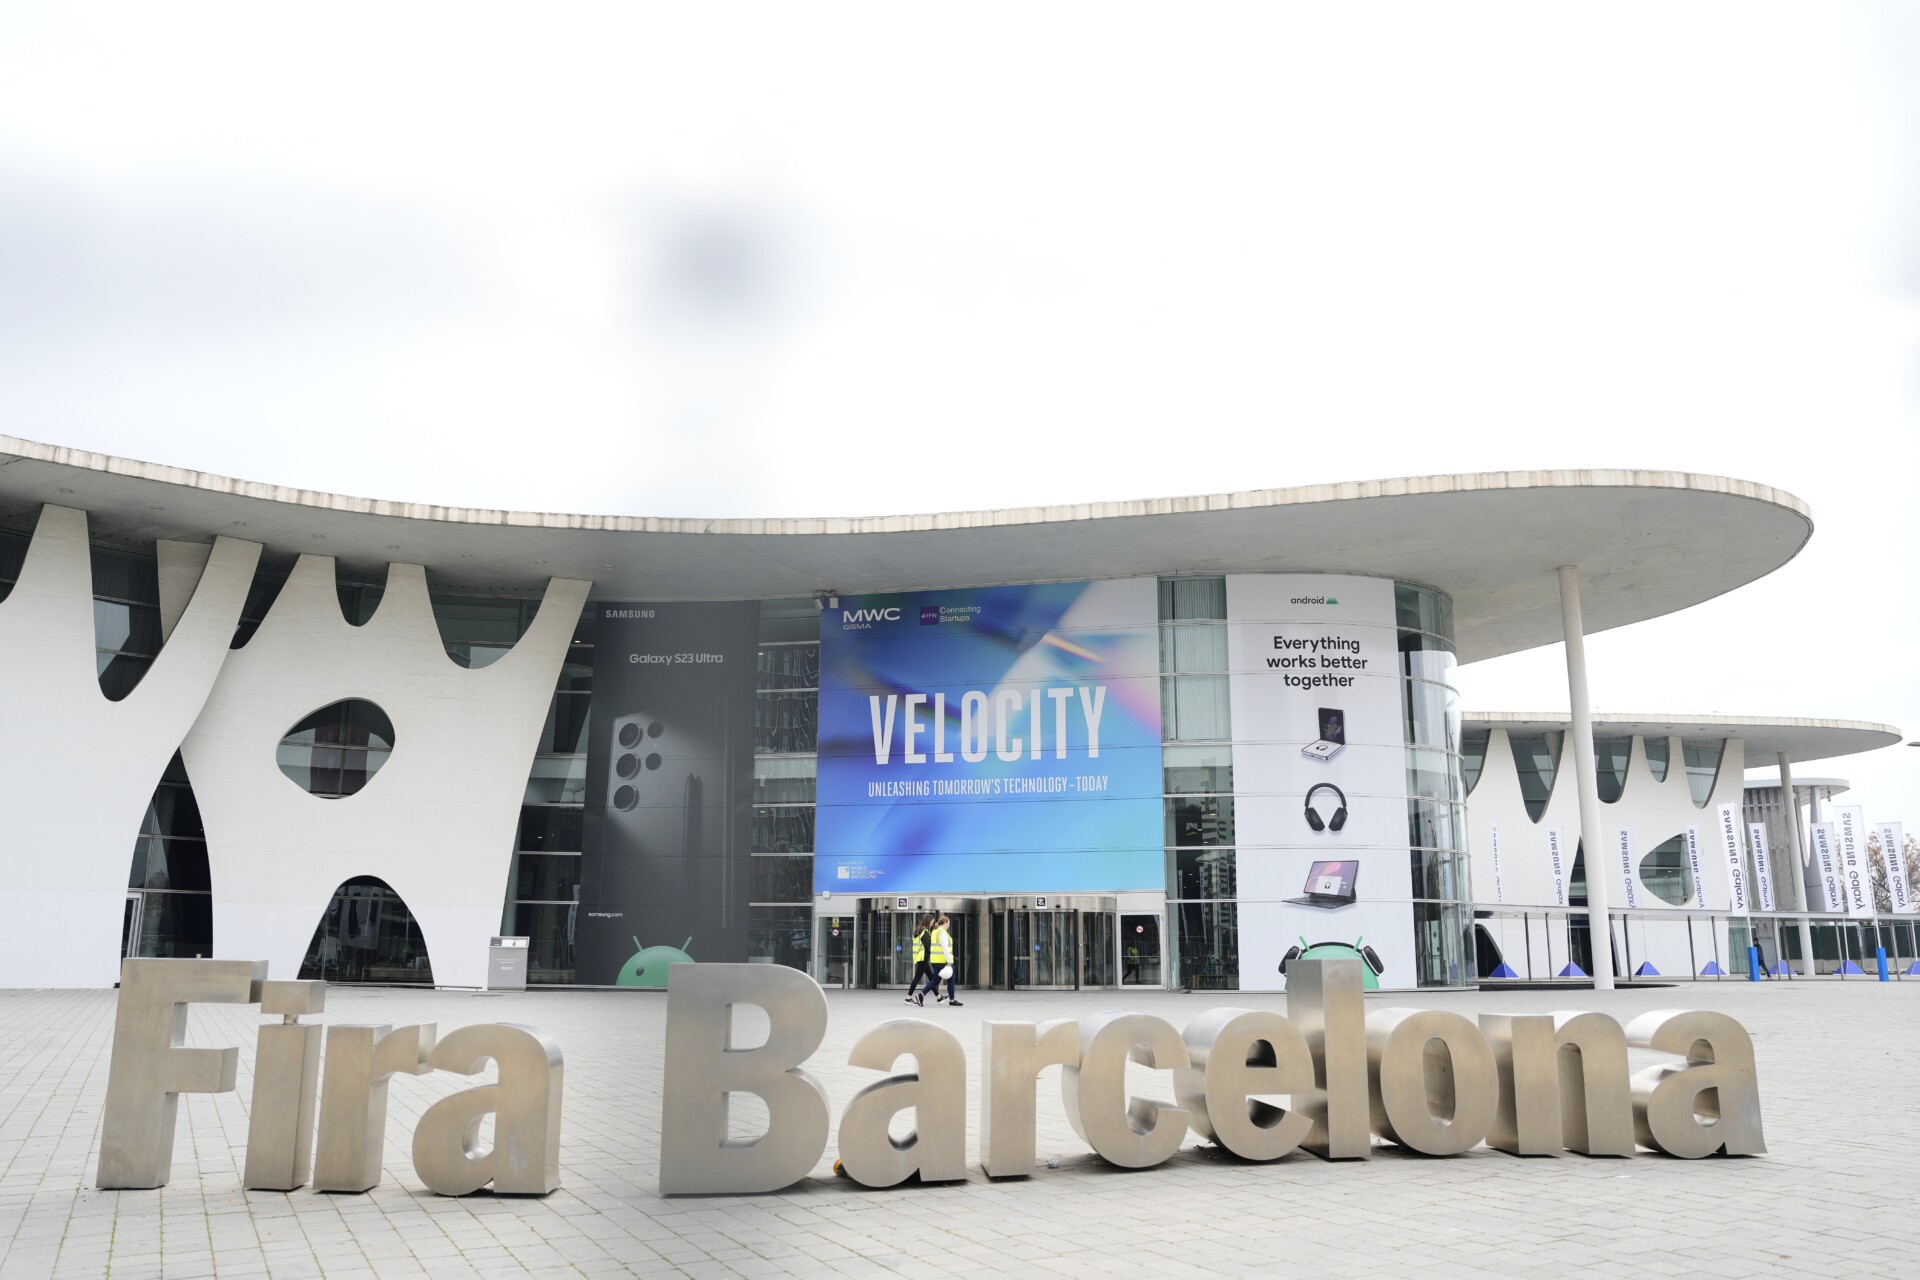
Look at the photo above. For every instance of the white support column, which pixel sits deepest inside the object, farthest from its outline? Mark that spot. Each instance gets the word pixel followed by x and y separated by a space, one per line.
pixel 1585 779
pixel 1790 809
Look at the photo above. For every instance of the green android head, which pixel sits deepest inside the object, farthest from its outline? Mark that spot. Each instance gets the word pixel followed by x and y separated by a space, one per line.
pixel 648 967
pixel 1369 980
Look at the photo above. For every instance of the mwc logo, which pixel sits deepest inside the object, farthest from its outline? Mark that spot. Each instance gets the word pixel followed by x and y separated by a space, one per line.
pixel 851 618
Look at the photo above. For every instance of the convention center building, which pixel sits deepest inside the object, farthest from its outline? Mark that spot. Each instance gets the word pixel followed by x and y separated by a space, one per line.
pixel 1177 742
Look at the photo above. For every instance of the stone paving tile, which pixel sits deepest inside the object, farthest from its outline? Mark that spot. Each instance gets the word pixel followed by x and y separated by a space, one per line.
pixel 1830 1198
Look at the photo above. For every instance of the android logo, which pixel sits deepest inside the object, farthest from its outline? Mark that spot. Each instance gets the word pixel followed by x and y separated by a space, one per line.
pixel 1370 969
pixel 648 967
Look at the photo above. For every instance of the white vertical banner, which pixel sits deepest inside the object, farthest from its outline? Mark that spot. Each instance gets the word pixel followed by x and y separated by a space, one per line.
pixel 1737 897
pixel 1856 873
pixel 1557 864
pixel 1499 883
pixel 1762 863
pixel 1826 863
pixel 1893 851
pixel 1693 865
pixel 1623 861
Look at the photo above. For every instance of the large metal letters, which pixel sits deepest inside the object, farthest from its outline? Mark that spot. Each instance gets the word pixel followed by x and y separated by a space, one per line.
pixel 525 1156
pixel 1323 1001
pixel 1237 1055
pixel 937 1092
pixel 286 1078
pixel 353 1099
pixel 704 1070
pixel 1134 1133
pixel 1016 1053
pixel 1431 1078
pixel 1712 1101
pixel 151 1066
pixel 1563 1084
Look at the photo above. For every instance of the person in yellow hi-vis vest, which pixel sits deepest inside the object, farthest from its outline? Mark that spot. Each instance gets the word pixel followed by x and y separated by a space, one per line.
pixel 940 958
pixel 921 969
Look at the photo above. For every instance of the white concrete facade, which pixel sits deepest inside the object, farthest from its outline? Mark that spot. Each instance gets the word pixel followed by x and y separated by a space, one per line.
pixel 436 823
pixel 79 770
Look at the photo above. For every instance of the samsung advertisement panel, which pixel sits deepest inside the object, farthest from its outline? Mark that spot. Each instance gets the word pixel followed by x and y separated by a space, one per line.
pixel 991 740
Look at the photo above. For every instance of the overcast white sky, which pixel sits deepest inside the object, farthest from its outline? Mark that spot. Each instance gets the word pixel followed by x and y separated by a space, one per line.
pixel 834 259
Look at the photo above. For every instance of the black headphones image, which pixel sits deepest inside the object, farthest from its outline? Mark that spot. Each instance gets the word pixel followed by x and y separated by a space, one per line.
pixel 1339 818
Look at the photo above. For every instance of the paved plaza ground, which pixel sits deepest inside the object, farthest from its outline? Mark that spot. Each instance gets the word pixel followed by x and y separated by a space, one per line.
pixel 1835 1195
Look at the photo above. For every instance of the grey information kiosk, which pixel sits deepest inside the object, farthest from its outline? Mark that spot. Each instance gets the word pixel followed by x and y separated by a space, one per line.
pixel 507 964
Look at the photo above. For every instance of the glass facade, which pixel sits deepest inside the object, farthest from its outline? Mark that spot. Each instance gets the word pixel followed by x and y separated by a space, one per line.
pixel 1196 729
pixel 1436 789
pixel 367 933
pixel 785 767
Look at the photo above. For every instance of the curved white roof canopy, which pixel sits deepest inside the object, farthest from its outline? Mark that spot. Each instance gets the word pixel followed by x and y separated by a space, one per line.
pixel 1647 542
pixel 1765 738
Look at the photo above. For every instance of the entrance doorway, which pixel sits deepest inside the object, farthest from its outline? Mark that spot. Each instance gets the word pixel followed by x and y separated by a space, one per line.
pixel 1043 943
pixel 1047 943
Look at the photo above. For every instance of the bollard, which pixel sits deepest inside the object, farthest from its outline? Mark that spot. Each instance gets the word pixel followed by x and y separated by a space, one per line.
pixel 1753 963
pixel 1880 960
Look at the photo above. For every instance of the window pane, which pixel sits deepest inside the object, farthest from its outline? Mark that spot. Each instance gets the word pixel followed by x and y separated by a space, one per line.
pixel 775 879
pixel 125 577
pixel 1534 757
pixel 1432 775
pixel 779 935
pixel 1197 769
pixel 790 666
pixel 173 812
pixel 551 876
pixel 169 864
pixel 565 732
pixel 548 929
pixel 1195 708
pixel 1610 766
pixel 1665 871
pixel 1432 714
pixel 1200 820
pixel 551 830
pixel 1703 766
pixel 1208 874
pixel 1473 754
pixel 1657 756
pixel 784 781
pixel 557 780
pixel 783 829
pixel 1183 599
pixel 1207 938
pixel 1194 646
pixel 786 722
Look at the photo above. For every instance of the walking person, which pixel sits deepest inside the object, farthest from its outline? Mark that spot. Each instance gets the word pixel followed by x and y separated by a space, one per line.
pixel 921 969
pixel 940 957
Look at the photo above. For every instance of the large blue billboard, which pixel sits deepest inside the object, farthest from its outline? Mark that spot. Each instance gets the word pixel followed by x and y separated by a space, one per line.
pixel 991 740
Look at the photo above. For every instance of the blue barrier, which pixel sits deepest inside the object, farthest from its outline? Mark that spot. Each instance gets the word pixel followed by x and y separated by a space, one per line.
pixel 1753 964
pixel 1880 961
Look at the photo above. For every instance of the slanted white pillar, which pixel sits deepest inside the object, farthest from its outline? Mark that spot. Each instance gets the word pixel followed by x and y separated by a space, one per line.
pixel 1790 808
pixel 1585 781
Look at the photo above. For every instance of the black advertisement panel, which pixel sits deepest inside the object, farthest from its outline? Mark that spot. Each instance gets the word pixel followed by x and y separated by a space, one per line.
pixel 664 875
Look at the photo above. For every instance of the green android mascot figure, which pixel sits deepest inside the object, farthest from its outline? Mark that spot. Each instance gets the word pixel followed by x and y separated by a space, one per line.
pixel 648 967
pixel 1370 966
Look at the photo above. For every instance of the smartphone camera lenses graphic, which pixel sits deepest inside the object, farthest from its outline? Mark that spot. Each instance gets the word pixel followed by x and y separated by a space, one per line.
pixel 625 797
pixel 628 765
pixel 630 734
pixel 655 729
pixel 653 760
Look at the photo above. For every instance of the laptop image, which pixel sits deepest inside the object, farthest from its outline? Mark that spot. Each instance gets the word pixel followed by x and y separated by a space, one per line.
pixel 1329 885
